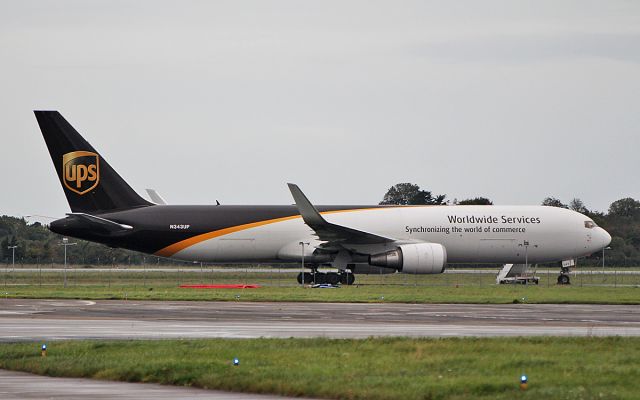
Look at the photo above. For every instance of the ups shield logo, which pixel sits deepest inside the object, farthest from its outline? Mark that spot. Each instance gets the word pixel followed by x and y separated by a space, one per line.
pixel 80 171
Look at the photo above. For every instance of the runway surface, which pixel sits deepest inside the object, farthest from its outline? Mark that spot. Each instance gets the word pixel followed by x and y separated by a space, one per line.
pixel 39 320
pixel 18 386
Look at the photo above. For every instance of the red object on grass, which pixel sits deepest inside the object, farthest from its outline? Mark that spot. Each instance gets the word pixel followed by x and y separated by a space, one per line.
pixel 219 286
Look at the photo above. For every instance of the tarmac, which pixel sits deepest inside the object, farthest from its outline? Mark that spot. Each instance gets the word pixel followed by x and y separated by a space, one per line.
pixel 45 320
pixel 19 386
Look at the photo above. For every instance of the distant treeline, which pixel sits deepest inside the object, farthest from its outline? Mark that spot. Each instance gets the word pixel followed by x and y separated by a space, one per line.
pixel 624 228
pixel 37 245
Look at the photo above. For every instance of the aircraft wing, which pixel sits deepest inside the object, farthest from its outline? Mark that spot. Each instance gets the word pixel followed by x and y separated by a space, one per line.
pixel 326 231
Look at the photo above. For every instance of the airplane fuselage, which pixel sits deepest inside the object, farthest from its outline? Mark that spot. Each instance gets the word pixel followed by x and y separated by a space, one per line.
pixel 410 239
pixel 238 234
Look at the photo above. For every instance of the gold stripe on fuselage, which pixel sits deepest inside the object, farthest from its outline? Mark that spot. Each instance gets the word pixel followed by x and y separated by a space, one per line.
pixel 183 244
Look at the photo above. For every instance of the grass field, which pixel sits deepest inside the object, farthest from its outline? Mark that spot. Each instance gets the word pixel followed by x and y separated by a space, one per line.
pixel 363 293
pixel 83 283
pixel 398 368
pixel 384 368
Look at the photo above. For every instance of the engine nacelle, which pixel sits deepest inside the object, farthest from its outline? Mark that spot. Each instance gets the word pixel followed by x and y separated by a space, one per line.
pixel 419 258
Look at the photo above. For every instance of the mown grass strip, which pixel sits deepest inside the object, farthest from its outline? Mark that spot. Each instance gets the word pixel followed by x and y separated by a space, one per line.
pixel 385 368
pixel 494 294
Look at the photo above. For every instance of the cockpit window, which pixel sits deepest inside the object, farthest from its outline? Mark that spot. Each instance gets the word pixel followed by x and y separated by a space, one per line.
pixel 589 224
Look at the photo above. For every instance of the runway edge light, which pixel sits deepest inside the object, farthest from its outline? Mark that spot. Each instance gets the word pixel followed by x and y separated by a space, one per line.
pixel 44 350
pixel 236 362
pixel 523 382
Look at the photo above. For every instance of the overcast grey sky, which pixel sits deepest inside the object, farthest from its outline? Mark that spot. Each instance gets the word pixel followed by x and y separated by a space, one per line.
pixel 230 100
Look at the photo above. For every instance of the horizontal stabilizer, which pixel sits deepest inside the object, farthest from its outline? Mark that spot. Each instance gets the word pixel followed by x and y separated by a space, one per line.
pixel 100 223
pixel 155 197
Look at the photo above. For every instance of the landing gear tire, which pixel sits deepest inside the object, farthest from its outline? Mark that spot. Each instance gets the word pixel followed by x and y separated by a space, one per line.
pixel 347 278
pixel 564 279
pixel 333 278
pixel 308 278
pixel 320 278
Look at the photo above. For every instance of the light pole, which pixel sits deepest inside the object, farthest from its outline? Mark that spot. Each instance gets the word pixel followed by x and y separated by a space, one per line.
pixel 13 256
pixel 13 263
pixel 65 243
pixel 302 264
pixel 144 271
pixel 603 249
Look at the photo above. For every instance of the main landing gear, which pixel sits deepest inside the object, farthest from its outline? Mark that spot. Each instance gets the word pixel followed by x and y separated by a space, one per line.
pixel 563 278
pixel 333 278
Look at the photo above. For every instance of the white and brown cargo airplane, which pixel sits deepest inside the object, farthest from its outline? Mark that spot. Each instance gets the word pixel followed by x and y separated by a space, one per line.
pixel 409 239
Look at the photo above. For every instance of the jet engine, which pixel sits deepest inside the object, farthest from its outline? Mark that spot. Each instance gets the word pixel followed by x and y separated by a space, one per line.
pixel 419 258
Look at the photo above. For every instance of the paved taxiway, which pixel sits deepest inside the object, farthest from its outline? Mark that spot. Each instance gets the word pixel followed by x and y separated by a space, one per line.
pixel 111 319
pixel 18 385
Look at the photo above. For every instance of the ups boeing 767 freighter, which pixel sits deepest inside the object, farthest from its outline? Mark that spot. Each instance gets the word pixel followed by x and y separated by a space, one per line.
pixel 408 239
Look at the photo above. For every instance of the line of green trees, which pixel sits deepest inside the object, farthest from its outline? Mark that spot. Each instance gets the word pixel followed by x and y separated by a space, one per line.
pixel 38 245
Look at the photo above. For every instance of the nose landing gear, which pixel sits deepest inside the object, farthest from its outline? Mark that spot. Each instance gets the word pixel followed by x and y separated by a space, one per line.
pixel 563 278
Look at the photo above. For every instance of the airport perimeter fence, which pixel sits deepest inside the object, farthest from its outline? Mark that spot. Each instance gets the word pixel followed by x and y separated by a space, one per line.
pixel 157 275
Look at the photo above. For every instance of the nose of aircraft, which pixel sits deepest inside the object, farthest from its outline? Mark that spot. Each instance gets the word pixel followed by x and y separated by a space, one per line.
pixel 603 238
